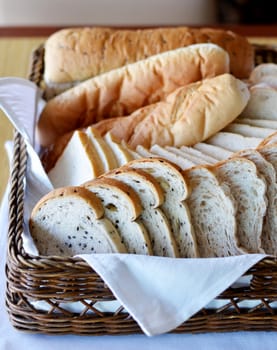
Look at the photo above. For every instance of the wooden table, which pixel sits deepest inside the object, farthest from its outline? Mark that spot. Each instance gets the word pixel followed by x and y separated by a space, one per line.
pixel 16 45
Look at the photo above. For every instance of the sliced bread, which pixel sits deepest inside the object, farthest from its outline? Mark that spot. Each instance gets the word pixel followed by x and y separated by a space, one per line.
pixel 69 221
pixel 233 142
pixel 122 207
pixel 249 130
pixel 175 208
pixel 217 152
pixel 267 170
pixel 249 190
pixel 262 103
pixel 152 217
pixel 212 214
pixel 182 162
pixel 261 123
pixel 68 171
pixel 105 153
pixel 122 154
pixel 206 159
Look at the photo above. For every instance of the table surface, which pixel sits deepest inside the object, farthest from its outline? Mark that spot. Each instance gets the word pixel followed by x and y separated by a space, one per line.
pixel 16 45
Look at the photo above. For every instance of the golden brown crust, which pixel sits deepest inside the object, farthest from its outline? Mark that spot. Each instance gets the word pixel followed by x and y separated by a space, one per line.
pixel 189 115
pixel 76 54
pixel 88 196
pixel 123 90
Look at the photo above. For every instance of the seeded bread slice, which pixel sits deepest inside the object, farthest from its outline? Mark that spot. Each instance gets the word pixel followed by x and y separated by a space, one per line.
pixel 176 191
pixel 212 214
pixel 122 207
pixel 105 153
pixel 68 172
pixel 122 154
pixel 69 221
pixel 153 218
pixel 249 189
pixel 267 170
pixel 214 151
pixel 249 130
pixel 233 142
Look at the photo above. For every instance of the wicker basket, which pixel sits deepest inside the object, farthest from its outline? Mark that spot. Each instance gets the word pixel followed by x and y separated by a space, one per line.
pixel 58 282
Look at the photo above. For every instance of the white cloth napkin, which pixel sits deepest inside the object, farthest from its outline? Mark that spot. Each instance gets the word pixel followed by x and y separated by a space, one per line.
pixel 159 293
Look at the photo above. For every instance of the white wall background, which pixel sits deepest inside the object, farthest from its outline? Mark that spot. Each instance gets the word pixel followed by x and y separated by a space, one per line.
pixel 106 12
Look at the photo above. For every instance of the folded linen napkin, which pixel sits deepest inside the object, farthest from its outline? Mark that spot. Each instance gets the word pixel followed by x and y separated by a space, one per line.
pixel 159 293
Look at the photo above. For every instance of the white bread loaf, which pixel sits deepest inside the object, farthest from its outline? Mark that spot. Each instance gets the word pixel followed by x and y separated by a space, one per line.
pixel 249 189
pixel 76 54
pixel 189 115
pixel 153 218
pixel 123 90
pixel 69 221
pixel 174 206
pixel 212 214
pixel 122 207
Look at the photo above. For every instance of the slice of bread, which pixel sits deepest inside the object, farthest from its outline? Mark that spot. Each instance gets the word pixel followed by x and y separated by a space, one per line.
pixel 121 153
pixel 207 159
pixel 217 152
pixel 267 170
pixel 212 214
pixel 69 221
pixel 262 123
pixel 153 218
pixel 249 190
pixel 122 207
pixel 105 153
pixel 249 130
pixel 262 103
pixel 233 142
pixel 68 171
pixel 264 73
pixel 182 162
pixel 175 208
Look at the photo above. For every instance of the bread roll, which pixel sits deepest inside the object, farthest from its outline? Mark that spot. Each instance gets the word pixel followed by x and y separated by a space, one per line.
pixel 126 89
pixel 189 115
pixel 76 54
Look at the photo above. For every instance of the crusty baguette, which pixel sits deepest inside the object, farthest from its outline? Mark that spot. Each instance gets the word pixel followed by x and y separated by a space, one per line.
pixel 123 90
pixel 189 115
pixel 76 54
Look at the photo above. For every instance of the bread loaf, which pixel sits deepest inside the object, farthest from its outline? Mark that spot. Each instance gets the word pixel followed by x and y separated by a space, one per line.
pixel 76 54
pixel 123 90
pixel 189 115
